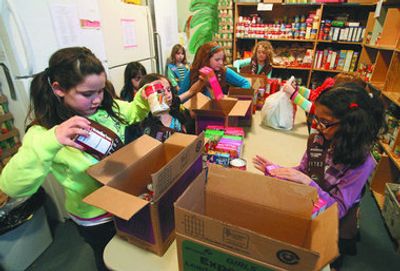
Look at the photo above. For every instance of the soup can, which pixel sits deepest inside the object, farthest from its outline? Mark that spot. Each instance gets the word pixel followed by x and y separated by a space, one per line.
pixel 238 163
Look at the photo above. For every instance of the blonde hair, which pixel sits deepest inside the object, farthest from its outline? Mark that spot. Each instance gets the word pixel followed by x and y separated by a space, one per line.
pixel 269 50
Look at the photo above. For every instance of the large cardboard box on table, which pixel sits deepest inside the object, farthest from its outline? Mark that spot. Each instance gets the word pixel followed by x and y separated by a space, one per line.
pixel 224 112
pixel 170 167
pixel 243 221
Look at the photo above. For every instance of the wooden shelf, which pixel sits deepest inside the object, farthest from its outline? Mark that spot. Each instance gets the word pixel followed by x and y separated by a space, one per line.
pixel 12 133
pixel 379 198
pixel 9 152
pixel 340 42
pixel 3 99
pixel 291 68
pixel 5 117
pixel 293 40
pixel 323 70
pixel 379 47
pixel 392 96
pixel 389 152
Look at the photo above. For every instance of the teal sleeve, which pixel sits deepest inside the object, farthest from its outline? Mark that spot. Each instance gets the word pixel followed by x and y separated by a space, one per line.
pixel 302 102
pixel 305 92
pixel 28 168
pixel 135 111
pixel 239 63
pixel 171 77
pixel 236 79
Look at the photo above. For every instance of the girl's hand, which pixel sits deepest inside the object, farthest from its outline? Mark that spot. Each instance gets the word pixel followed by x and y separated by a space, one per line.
pixel 261 163
pixel 69 129
pixel 290 174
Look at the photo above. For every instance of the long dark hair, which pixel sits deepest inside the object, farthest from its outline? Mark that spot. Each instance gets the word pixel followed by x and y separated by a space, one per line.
pixel 68 67
pixel 132 70
pixel 361 119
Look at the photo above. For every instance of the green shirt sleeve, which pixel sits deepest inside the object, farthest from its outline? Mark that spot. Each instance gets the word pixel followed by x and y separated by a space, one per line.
pixel 28 168
pixel 134 111
pixel 305 92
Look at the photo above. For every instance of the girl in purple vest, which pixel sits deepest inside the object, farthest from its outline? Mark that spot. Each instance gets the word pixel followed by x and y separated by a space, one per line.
pixel 338 161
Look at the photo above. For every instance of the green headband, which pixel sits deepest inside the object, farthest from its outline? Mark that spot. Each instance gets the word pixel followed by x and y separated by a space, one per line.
pixel 214 48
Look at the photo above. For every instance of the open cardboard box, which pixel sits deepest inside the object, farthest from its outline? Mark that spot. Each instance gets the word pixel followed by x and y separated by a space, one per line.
pixel 170 167
pixel 244 94
pixel 211 112
pixel 245 221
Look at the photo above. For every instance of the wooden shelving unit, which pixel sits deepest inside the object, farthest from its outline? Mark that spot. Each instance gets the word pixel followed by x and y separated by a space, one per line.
pixel 9 136
pixel 358 12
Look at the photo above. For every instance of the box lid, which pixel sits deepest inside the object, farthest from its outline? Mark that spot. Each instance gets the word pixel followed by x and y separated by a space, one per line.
pixel 239 92
pixel 127 172
pixel 240 109
pixel 289 197
pixel 116 202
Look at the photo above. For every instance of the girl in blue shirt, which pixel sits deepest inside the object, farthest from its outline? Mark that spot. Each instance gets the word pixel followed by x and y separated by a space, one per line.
pixel 211 55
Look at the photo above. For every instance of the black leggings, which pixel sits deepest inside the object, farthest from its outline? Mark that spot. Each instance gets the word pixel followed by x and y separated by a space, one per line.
pixel 98 237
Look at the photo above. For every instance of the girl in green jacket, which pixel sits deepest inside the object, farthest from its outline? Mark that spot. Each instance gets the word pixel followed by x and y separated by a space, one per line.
pixel 66 98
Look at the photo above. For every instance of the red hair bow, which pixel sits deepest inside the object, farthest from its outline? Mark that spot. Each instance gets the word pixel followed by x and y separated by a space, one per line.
pixel 353 105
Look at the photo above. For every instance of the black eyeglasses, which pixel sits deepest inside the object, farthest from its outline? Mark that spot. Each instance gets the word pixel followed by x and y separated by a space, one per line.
pixel 323 123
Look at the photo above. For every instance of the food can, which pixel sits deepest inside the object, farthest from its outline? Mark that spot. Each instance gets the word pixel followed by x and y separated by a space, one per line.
pixel 238 163
pixel 156 98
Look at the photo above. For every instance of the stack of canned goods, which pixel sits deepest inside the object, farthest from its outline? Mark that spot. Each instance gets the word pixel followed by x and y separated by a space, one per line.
pixel 298 27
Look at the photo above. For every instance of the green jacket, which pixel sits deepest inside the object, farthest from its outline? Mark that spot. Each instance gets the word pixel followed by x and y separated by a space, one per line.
pixel 41 154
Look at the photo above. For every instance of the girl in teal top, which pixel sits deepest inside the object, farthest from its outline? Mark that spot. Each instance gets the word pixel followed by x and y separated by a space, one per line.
pixel 260 62
pixel 178 68
pixel 63 99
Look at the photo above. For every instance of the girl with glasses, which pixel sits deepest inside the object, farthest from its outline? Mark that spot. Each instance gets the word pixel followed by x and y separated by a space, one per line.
pixel 337 161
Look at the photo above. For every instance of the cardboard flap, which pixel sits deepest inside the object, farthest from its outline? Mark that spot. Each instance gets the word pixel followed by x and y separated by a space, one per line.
pixel 239 92
pixel 324 236
pixel 116 202
pixel 197 102
pixel 114 164
pixel 240 109
pixel 191 149
pixel 288 197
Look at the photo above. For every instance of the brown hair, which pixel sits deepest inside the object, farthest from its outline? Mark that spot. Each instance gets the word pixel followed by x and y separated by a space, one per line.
pixel 202 58
pixel 349 77
pixel 175 50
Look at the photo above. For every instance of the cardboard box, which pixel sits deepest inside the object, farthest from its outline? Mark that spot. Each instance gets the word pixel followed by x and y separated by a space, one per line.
pixel 275 233
pixel 224 112
pixel 170 167
pixel 391 210
pixel 247 95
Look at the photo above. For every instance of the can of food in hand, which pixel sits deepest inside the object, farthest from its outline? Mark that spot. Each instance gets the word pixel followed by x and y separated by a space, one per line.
pixel 238 163
pixel 156 98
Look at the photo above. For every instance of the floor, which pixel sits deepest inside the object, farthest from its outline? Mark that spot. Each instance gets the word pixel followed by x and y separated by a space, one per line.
pixel 375 249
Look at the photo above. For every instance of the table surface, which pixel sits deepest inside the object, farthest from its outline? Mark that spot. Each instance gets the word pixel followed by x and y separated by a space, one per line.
pixel 121 255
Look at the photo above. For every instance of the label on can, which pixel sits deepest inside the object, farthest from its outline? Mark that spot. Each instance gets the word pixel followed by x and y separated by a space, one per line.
pixel 156 98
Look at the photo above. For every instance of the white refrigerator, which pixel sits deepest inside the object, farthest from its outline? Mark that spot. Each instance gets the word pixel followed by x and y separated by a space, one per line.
pixel 31 31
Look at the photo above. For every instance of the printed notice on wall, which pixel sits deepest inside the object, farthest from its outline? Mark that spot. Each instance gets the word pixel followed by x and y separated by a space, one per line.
pixel 66 24
pixel 128 33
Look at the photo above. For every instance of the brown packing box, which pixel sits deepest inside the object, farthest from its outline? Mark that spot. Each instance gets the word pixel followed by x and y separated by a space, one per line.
pixel 275 230
pixel 244 94
pixel 170 167
pixel 211 112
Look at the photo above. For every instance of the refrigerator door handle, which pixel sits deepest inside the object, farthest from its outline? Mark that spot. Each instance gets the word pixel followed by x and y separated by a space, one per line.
pixel 24 38
pixel 159 52
pixel 10 83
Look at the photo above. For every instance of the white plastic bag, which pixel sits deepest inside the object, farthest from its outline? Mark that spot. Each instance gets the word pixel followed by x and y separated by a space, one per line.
pixel 277 111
